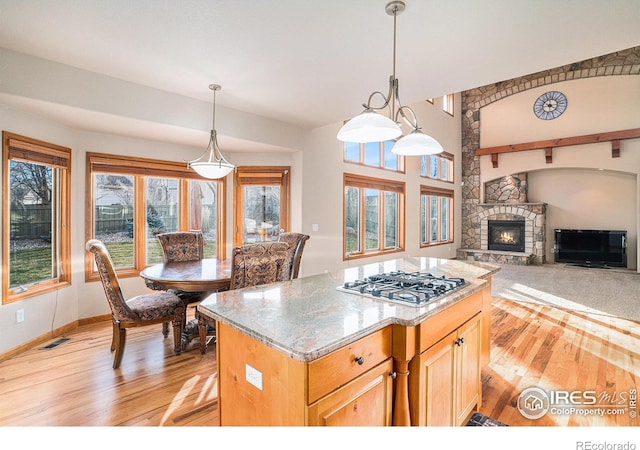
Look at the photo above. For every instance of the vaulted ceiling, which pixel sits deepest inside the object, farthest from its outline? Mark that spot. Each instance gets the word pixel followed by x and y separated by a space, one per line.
pixel 310 63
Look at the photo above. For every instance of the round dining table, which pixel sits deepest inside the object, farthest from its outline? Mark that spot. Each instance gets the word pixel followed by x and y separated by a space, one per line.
pixel 205 275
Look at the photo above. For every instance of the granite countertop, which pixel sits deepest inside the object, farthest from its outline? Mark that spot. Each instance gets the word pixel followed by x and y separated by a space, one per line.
pixel 308 317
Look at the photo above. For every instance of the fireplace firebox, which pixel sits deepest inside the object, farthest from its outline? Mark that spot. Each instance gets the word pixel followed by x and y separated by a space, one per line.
pixel 506 235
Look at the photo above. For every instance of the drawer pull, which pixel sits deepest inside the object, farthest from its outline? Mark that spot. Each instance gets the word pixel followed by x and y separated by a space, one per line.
pixel 359 360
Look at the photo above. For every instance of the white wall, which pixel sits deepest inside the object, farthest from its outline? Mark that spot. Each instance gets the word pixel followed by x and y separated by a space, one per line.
pixel 584 186
pixel 323 170
pixel 316 188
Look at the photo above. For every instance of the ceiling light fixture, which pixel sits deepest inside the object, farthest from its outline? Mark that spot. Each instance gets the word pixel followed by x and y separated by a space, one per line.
pixel 371 126
pixel 215 166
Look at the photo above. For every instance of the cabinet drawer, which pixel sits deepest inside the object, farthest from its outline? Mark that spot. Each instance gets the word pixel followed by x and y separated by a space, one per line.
pixel 341 366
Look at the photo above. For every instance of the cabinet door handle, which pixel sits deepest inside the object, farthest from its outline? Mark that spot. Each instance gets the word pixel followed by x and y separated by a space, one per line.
pixel 359 360
pixel 459 342
pixel 393 375
pixel 462 340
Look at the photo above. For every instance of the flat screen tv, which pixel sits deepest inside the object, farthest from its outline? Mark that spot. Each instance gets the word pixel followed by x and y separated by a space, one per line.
pixel 593 248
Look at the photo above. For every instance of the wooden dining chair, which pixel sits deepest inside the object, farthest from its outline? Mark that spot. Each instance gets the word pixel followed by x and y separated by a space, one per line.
pixel 297 240
pixel 181 245
pixel 253 265
pixel 142 310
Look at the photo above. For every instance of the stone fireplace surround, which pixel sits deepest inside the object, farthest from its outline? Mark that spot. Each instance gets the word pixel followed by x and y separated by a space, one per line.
pixel 533 215
pixel 474 212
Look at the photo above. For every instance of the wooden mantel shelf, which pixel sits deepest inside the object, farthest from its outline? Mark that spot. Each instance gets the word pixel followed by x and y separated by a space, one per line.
pixel 612 136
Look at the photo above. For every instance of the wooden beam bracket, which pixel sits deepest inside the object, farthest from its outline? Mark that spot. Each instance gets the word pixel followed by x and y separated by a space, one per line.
pixel 494 160
pixel 615 148
pixel 548 154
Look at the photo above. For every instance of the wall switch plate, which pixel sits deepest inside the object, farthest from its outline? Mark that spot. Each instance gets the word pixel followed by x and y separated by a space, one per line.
pixel 315 227
pixel 254 376
pixel 20 315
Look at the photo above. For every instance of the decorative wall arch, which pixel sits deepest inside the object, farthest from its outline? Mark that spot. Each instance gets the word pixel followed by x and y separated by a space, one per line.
pixel 625 62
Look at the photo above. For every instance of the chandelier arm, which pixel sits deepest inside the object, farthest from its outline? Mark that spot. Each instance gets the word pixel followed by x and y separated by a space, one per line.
pixel 412 121
pixel 376 108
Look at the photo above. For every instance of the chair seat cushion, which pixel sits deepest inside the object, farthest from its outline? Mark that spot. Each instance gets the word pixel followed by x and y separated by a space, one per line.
pixel 156 305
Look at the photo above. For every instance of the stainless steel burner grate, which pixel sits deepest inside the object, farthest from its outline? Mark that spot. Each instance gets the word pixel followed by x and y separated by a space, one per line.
pixel 414 288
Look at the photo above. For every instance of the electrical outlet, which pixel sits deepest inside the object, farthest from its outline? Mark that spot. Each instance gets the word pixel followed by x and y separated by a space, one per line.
pixel 20 315
pixel 254 376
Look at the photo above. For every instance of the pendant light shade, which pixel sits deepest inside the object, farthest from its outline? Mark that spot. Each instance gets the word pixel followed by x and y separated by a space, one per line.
pixel 416 143
pixel 371 126
pixel 214 166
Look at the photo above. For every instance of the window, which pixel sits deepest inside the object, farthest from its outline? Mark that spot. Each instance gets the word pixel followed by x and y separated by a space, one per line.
pixel 36 217
pixel 436 206
pixel 262 203
pixel 437 167
pixel 131 200
pixel 447 103
pixel 375 154
pixel 373 216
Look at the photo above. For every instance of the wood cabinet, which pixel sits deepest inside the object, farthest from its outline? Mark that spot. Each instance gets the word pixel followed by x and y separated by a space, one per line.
pixel 367 400
pixel 444 381
pixel 435 365
pixel 261 386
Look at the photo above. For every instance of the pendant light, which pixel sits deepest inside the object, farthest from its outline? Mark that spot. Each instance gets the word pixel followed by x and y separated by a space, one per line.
pixel 371 126
pixel 215 165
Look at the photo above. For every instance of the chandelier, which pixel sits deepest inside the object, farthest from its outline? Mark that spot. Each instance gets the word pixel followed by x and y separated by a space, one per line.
pixel 371 126
pixel 215 165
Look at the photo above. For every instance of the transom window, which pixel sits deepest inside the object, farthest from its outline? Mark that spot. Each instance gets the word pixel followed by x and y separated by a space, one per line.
pixel 437 167
pixel 131 200
pixel 373 216
pixel 436 216
pixel 374 154
pixel 36 255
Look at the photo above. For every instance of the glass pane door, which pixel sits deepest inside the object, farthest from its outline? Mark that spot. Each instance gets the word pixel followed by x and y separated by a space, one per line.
pixel 262 204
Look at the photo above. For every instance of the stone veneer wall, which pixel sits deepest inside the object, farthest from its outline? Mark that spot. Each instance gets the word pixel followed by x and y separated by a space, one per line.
pixel 510 189
pixel 626 62
pixel 534 216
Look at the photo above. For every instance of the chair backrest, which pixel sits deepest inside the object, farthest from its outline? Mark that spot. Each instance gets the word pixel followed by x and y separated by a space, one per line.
pixel 260 263
pixel 297 240
pixel 181 245
pixel 119 308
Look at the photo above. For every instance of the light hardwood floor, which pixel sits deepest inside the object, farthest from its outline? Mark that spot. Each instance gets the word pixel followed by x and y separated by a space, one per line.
pixel 73 384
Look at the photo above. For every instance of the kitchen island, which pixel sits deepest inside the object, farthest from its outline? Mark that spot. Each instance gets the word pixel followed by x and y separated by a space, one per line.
pixel 303 352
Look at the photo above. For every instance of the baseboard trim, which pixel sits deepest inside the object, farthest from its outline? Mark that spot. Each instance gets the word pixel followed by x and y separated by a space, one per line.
pixel 53 334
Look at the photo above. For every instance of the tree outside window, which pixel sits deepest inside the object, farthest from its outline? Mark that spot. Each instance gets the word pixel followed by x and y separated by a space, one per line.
pixel 381 204
pixel 435 215
pixel 36 237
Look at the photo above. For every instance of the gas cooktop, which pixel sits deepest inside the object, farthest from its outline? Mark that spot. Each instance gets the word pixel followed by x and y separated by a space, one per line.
pixel 413 288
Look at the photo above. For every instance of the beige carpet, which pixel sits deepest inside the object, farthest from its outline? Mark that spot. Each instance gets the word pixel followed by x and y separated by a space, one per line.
pixel 601 291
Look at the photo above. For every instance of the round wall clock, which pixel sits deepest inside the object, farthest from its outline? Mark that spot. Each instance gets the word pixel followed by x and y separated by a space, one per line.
pixel 550 105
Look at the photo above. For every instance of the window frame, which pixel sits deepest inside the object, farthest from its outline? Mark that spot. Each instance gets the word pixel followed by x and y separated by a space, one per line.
pixel 362 159
pixel 448 104
pixel 439 193
pixel 425 162
pixel 261 176
pixel 141 169
pixel 26 149
pixel 363 183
